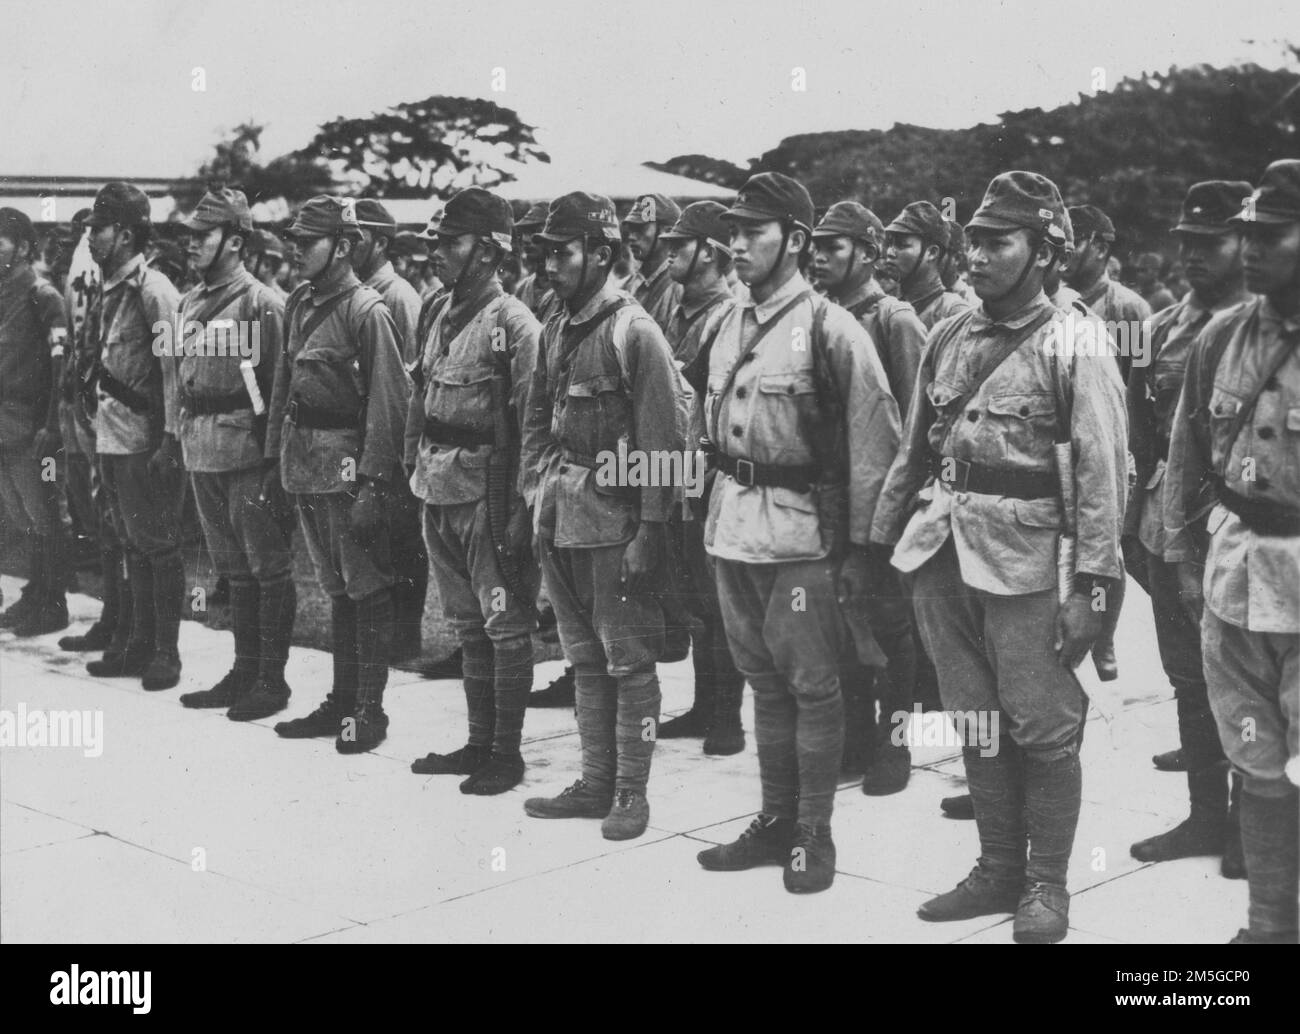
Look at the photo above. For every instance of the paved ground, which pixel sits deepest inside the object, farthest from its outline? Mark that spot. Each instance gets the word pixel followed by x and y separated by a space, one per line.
pixel 191 828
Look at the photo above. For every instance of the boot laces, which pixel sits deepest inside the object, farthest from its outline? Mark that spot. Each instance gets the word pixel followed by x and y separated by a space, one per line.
pixel 624 798
pixel 578 788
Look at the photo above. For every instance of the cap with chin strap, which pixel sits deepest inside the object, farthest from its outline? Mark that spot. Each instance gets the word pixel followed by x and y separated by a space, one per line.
pixel 1024 201
pixel 772 196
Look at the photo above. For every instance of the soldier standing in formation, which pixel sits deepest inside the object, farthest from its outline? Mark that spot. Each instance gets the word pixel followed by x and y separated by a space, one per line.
pixel 464 427
pixel 604 384
pixel 137 423
pixel 643 228
pixel 1212 249
pixel 335 443
pixel 1233 480
pixel 992 398
pixel 33 336
pixel 699 261
pixel 803 429
pixel 916 243
pixel 223 436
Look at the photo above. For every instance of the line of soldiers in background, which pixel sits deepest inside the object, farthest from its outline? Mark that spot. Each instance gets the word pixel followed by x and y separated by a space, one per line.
pixel 890 461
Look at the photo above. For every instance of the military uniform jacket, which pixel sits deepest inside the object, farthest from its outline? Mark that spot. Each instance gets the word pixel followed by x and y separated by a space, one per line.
pixel 133 309
pixel 228 311
pixel 617 388
pixel 898 334
pixel 341 355
pixel 659 295
pixel 458 366
pixel 403 303
pixel 1007 546
pixel 937 305
pixel 691 333
pixel 33 327
pixel 1153 393
pixel 1251 581
pixel 1115 303
pixel 764 417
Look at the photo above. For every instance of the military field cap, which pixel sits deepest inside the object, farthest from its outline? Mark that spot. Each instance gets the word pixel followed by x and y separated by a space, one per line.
pixel 852 220
pixel 16 226
pixel 326 216
pixel 1022 201
pixel 581 215
pixel 372 215
pixel 223 207
pixel 1277 198
pixel 534 218
pixel 653 208
pixel 701 219
pixel 1091 221
pixel 410 245
pixel 1208 206
pixel 773 195
pixel 921 219
pixel 119 203
pixel 480 212
pixel 264 242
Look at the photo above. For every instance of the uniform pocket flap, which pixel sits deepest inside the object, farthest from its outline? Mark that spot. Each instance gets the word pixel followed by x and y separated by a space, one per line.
pixel 941 394
pixel 1225 406
pixel 1023 406
pixel 1215 521
pixel 594 386
pixel 1038 513
pixel 1293 419
pixel 794 383
pixel 456 376
pixel 793 500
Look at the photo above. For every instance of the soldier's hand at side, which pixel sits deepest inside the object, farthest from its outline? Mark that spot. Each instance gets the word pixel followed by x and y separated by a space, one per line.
pixel 1077 628
pixel 855 577
pixel 643 558
pixel 271 485
pixel 165 463
pixel 1191 579
pixel 367 516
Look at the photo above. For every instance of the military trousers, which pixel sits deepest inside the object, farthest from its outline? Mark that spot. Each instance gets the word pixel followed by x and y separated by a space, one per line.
pixel 242 535
pixel 344 565
pixel 32 491
pixel 786 634
pixel 613 640
pixel 997 657
pixel 146 510
pixel 1254 691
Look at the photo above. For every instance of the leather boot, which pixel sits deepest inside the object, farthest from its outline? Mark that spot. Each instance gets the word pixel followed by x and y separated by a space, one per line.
pixel 243 594
pixel 268 693
pixel 138 645
pixel 1233 865
pixel 695 722
pixel 1170 761
pixel 997 791
pixel 726 733
pixel 891 767
pixel 164 668
pixel 374 645
pixel 637 702
pixel 1269 839
pixel 50 614
pixel 409 593
pixel 1204 831
pixel 99 635
pixel 767 841
pixel 477 663
pixel 31 592
pixel 1052 795
pixel 341 700
pixel 560 693
pixel 810 867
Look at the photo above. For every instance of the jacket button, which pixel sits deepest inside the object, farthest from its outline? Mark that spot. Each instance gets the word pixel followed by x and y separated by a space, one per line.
pixel 790 390
pixel 1024 410
pixel 563 469
pixel 1265 432
pixel 736 432
pixel 972 415
pixel 741 393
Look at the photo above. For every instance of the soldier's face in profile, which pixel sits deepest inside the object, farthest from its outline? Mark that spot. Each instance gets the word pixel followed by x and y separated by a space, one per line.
pixel 903 253
pixel 452 253
pixel 10 252
pixel 311 256
pixel 563 265
pixel 201 247
pixel 1210 260
pixel 1272 257
pixel 997 260
pixel 105 244
pixel 680 254
pixel 640 239
pixel 757 248
pixel 831 259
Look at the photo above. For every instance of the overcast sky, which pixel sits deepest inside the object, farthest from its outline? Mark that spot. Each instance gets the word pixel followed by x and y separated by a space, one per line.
pixel 105 88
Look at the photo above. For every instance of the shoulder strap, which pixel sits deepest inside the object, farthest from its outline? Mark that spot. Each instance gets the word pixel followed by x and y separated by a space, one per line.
pixel 1248 407
pixel 570 344
pixel 318 317
pixel 233 294
pixel 1005 350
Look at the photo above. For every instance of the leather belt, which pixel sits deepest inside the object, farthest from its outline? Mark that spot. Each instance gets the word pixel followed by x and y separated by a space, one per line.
pixel 440 433
pixel 964 476
pixel 216 404
pixel 300 414
pixel 124 394
pixel 1262 516
pixel 751 474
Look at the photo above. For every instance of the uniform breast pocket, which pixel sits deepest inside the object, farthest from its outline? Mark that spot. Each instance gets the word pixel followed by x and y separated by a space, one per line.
pixel 781 418
pixel 1225 407
pixel 597 414
pixel 1023 426
pixel 328 377
pixel 461 396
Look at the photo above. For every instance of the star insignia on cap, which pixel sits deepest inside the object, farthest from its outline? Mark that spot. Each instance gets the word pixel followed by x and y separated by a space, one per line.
pixel 349 210
pixel 1045 213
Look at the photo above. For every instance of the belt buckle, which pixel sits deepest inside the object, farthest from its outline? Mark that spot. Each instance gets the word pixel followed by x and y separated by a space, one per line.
pixel 961 469
pixel 745 480
pixel 292 412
